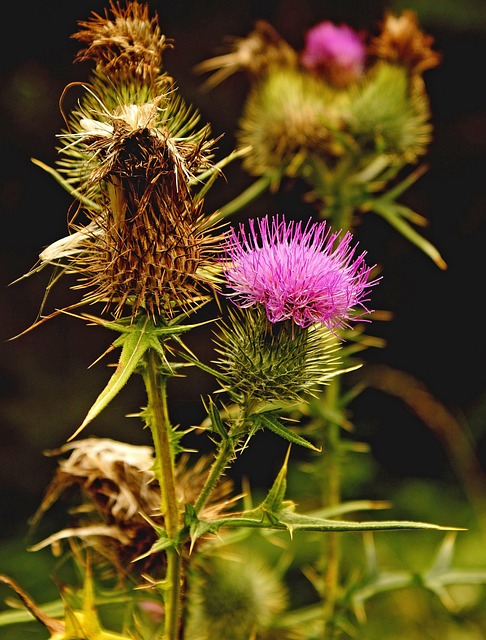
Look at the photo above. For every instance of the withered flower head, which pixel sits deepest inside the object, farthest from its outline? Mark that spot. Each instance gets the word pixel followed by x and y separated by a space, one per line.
pixel 133 155
pixel 262 49
pixel 147 247
pixel 128 42
pixel 402 41
pixel 119 496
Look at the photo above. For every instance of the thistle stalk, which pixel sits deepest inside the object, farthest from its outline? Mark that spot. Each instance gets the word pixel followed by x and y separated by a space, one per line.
pixel 156 385
pixel 331 498
pixel 225 454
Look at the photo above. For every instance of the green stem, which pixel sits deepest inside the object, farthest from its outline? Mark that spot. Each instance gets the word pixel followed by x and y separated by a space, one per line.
pixel 331 498
pixel 161 430
pixel 225 454
pixel 245 198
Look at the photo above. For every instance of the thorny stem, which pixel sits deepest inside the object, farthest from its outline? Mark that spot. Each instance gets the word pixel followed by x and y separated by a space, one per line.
pixel 331 498
pixel 341 218
pixel 224 456
pixel 160 426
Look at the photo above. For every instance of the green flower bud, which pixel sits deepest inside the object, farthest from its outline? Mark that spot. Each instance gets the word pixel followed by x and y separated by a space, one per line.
pixel 288 115
pixel 387 116
pixel 274 362
pixel 229 597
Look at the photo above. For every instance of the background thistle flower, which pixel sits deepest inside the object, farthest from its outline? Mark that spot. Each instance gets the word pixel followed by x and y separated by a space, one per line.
pixel 262 50
pixel 402 42
pixel 336 52
pixel 306 274
pixel 386 116
pixel 288 116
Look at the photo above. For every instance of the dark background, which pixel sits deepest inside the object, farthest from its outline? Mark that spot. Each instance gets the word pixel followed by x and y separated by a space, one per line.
pixel 438 330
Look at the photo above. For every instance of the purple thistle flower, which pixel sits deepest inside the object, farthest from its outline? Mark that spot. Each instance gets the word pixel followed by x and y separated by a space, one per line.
pixel 306 274
pixel 336 51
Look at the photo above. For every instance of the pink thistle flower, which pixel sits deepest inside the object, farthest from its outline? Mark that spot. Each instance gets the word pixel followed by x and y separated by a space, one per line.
pixel 306 274
pixel 337 52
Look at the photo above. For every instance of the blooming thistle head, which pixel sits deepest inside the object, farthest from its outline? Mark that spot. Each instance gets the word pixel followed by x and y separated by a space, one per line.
pixel 297 285
pixel 304 273
pixel 335 52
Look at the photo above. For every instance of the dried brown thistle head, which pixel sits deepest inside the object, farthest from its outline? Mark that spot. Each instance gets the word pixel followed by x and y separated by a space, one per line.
pixel 402 41
pixel 119 499
pixel 262 49
pixel 126 42
pixel 133 154
pixel 148 248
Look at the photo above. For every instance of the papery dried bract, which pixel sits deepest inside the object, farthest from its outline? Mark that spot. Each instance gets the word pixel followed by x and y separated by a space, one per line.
pixel 120 501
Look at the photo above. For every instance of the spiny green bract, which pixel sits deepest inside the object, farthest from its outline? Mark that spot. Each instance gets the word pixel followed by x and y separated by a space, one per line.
pixel 274 362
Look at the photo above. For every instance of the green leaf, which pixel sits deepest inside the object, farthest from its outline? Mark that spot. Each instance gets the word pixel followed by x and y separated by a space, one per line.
pixel 287 519
pixel 215 419
pixel 275 497
pixel 246 197
pixel 134 344
pixel 393 214
pixel 300 522
pixel 270 421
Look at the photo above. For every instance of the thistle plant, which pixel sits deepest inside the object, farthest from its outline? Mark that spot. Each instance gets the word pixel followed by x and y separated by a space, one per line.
pixel 162 529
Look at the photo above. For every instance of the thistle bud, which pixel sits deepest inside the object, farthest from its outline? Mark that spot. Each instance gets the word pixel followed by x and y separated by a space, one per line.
pixel 233 598
pixel 288 116
pixel 387 116
pixel 267 362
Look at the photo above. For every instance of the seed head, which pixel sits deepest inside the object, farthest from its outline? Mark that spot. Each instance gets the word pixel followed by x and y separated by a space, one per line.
pixel 119 497
pixel 147 247
pixel 132 153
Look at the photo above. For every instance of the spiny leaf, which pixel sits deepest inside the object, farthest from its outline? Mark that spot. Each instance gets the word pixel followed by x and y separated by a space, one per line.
pixel 275 497
pixel 134 345
pixel 215 419
pixel 392 214
pixel 301 522
pixel 270 421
